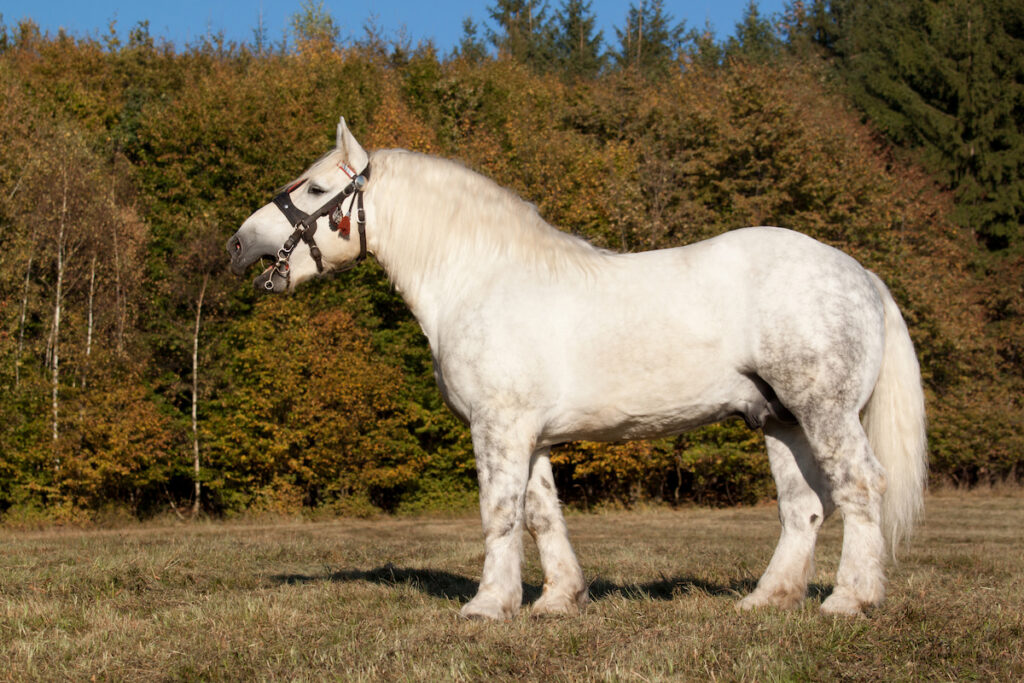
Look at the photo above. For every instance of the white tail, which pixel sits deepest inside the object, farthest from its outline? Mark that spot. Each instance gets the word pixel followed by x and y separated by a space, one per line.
pixel 894 419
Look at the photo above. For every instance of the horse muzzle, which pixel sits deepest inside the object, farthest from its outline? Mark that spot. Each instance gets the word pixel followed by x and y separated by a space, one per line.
pixel 241 256
pixel 245 252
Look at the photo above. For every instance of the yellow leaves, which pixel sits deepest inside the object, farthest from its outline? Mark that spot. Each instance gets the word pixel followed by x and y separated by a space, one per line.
pixel 714 465
pixel 394 125
pixel 316 407
pixel 298 398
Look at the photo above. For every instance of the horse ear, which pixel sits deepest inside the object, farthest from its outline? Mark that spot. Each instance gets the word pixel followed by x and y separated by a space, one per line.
pixel 355 155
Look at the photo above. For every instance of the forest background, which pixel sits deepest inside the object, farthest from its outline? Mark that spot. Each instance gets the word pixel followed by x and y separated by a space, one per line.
pixel 137 376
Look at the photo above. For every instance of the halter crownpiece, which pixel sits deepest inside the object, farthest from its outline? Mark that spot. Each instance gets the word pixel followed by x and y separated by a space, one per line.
pixel 305 223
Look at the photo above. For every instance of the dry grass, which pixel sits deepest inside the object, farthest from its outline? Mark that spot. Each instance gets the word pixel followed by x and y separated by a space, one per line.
pixel 378 600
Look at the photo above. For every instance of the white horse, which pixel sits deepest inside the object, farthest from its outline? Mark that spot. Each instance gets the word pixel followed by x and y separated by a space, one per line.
pixel 539 338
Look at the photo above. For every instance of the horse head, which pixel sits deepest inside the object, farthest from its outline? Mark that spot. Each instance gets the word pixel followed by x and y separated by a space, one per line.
pixel 327 196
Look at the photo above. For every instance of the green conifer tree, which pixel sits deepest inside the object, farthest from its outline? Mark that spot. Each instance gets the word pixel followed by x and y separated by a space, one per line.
pixel 524 32
pixel 702 49
pixel 756 38
pixel 944 78
pixel 649 42
pixel 471 48
pixel 577 47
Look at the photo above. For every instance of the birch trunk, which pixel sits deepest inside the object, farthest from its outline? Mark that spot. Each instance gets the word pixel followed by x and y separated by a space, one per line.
pixel 639 37
pixel 55 329
pixel 120 305
pixel 195 396
pixel 88 332
pixel 21 323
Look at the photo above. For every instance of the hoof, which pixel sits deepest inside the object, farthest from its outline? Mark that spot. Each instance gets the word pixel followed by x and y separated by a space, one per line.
pixel 486 609
pixel 552 605
pixel 843 605
pixel 779 599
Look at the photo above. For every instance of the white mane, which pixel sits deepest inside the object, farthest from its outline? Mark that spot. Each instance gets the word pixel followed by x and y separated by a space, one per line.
pixel 432 213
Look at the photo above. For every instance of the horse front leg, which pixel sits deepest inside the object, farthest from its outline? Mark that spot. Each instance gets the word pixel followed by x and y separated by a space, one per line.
pixel 503 468
pixel 565 591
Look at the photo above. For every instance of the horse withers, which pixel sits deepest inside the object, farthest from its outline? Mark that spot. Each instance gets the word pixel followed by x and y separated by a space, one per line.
pixel 540 338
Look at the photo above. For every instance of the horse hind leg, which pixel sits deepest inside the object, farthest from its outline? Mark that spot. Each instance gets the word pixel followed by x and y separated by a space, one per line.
pixel 565 591
pixel 857 483
pixel 804 503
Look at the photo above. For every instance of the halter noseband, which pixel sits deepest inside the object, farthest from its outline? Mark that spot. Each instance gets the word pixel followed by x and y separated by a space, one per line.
pixel 305 223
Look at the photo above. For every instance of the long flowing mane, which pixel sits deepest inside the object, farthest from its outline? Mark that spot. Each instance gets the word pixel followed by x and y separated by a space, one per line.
pixel 433 213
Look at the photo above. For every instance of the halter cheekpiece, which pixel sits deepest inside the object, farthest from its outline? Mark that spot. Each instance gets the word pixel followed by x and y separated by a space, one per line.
pixel 305 223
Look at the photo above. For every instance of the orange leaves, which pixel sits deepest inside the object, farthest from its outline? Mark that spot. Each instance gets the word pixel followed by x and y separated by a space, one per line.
pixel 719 464
pixel 313 407
pixel 303 404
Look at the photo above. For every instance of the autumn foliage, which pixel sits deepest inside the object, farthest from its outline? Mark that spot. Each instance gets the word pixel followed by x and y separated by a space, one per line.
pixel 324 400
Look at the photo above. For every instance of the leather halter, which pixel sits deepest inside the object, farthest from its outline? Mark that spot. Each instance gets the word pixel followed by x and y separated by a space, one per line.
pixel 305 223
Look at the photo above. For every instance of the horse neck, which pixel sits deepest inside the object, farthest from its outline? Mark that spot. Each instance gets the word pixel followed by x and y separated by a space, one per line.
pixel 441 231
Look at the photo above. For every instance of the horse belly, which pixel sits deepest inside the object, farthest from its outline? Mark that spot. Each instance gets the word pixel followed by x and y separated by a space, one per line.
pixel 655 406
pixel 612 424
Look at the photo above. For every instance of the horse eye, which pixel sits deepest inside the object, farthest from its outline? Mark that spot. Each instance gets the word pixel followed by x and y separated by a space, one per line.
pixel 315 190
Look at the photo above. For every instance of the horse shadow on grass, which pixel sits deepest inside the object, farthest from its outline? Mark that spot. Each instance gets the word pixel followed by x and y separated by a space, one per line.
pixel 442 584
pixel 435 582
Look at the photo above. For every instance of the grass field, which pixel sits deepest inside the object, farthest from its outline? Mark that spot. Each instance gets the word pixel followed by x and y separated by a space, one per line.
pixel 379 599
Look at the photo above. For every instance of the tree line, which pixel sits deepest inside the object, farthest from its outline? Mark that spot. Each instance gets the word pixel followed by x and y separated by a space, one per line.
pixel 940 79
pixel 138 376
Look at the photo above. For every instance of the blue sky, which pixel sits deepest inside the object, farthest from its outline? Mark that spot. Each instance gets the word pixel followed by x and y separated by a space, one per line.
pixel 185 21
